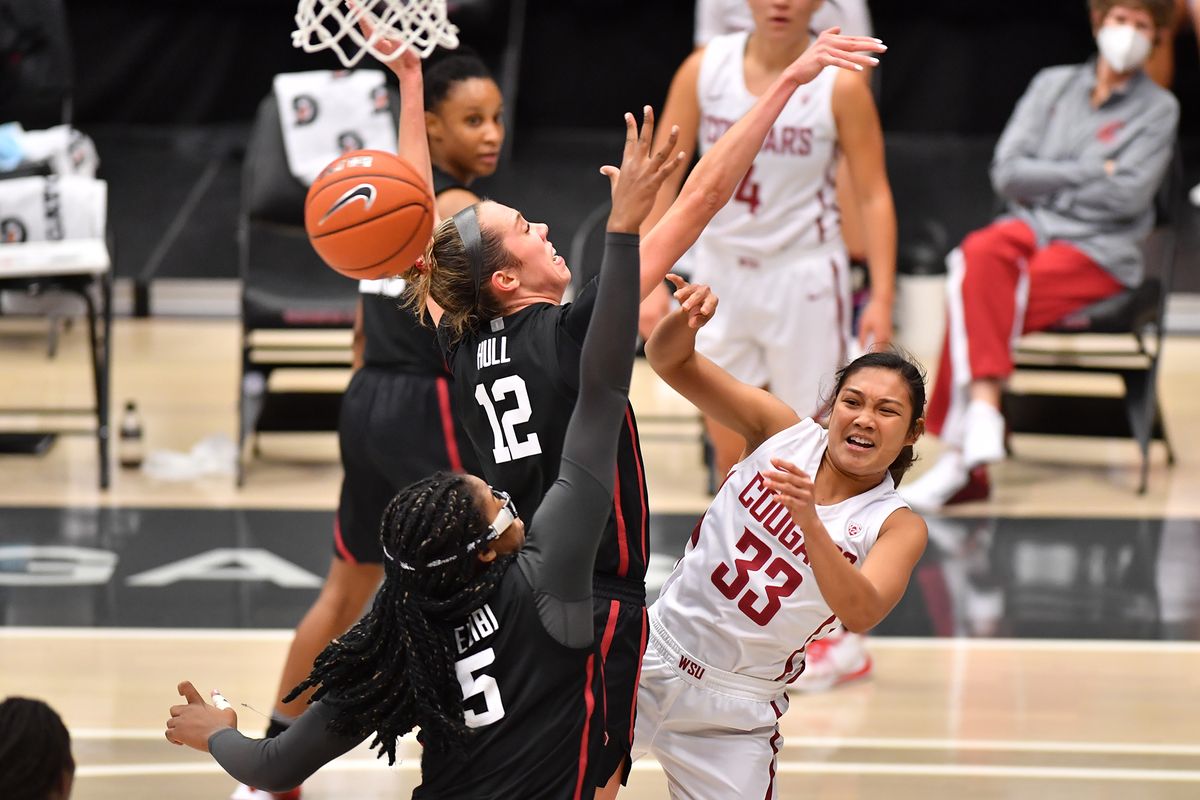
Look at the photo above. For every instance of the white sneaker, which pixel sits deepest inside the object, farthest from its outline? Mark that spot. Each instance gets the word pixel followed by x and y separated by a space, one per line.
pixel 833 661
pixel 943 480
pixel 984 441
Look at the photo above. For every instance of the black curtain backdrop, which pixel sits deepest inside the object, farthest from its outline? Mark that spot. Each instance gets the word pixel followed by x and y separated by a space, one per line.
pixel 955 66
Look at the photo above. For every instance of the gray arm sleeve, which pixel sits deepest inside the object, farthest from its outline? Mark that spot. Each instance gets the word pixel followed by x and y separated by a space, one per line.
pixel 284 762
pixel 559 560
pixel 1017 173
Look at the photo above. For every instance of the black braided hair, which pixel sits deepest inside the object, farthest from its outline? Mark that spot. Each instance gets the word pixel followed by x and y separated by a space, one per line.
pixel 35 751
pixel 394 670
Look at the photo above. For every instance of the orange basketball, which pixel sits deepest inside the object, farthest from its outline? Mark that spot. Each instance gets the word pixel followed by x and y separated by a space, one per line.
pixel 369 214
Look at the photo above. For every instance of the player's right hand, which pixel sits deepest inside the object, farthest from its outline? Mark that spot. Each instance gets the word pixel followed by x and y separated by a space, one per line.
pixel 192 724
pixel 696 300
pixel 832 49
pixel 636 183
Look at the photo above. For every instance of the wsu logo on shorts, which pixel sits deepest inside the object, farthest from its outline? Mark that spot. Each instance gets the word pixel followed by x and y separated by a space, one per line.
pixel 305 108
pixel 853 529
pixel 12 230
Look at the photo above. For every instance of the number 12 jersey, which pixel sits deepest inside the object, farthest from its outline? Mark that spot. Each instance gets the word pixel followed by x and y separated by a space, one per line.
pixel 516 382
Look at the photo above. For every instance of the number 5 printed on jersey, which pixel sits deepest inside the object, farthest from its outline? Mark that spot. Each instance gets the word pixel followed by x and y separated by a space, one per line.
pixel 473 685
pixel 758 552
pixel 508 445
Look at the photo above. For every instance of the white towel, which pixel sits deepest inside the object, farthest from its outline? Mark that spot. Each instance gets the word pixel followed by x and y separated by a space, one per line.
pixel 54 208
pixel 325 114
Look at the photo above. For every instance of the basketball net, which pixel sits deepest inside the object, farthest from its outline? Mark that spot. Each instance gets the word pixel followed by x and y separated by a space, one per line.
pixel 420 25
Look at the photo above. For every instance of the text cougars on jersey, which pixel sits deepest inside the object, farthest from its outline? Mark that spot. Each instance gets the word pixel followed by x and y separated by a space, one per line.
pixel 763 506
pixel 785 140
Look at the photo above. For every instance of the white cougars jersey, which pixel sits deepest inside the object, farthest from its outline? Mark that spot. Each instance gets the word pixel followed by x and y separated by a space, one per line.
pixel 743 598
pixel 788 198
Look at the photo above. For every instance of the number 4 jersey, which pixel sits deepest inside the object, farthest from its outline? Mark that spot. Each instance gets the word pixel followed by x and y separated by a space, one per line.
pixel 516 382
pixel 743 598
pixel 788 198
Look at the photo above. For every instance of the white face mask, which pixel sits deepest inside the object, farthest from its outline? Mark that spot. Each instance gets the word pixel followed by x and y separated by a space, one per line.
pixel 1123 46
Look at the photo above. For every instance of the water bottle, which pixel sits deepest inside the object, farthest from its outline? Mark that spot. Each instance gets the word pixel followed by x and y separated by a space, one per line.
pixel 129 443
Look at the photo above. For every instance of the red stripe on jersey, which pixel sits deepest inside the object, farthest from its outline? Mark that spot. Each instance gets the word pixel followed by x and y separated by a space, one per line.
pixel 774 753
pixel 787 668
pixel 339 543
pixel 638 679
pixel 622 533
pixel 644 533
pixel 443 390
pixel 821 216
pixel 589 703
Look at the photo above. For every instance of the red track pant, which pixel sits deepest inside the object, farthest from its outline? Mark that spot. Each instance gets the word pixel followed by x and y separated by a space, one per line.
pixel 999 286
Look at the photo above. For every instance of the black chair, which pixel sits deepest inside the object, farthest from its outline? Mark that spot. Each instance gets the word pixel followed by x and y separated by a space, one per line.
pixel 288 293
pixel 1134 321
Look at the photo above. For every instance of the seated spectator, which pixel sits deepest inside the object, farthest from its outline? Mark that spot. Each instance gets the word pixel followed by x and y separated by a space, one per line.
pixel 1079 164
pixel 35 752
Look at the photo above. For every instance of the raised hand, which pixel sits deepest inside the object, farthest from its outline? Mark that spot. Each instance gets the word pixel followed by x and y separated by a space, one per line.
pixel 696 299
pixel 795 489
pixel 636 183
pixel 832 49
pixel 406 61
pixel 193 723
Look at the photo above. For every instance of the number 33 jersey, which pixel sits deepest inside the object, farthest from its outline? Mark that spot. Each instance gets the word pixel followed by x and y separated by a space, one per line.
pixel 516 382
pixel 744 598
pixel 789 197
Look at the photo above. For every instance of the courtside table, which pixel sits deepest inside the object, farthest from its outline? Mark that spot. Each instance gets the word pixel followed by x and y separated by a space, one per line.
pixel 78 266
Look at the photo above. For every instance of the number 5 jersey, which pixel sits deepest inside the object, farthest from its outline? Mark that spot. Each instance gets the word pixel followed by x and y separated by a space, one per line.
pixel 743 598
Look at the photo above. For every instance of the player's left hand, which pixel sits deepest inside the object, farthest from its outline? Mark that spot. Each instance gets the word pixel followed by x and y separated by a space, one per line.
pixel 696 300
pixel 795 489
pixel 192 724
pixel 875 324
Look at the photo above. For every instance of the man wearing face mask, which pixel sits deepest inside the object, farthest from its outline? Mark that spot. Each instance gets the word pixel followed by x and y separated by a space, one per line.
pixel 1079 164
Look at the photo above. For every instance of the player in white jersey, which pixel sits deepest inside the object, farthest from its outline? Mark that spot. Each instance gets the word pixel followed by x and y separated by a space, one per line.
pixel 775 253
pixel 806 534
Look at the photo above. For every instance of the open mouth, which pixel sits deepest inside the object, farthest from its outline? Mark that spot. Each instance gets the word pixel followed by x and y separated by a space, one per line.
pixel 555 258
pixel 860 443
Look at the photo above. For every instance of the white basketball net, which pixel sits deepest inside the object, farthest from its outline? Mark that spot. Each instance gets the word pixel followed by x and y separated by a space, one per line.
pixel 420 25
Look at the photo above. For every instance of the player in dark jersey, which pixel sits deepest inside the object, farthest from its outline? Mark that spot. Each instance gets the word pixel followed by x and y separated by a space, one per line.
pixel 492 656
pixel 398 420
pixel 514 353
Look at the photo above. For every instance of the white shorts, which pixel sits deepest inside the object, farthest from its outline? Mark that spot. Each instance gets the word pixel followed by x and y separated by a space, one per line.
pixel 783 322
pixel 714 739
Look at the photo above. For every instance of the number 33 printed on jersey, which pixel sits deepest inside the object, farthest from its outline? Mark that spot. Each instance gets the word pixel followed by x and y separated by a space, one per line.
pixel 508 445
pixel 757 552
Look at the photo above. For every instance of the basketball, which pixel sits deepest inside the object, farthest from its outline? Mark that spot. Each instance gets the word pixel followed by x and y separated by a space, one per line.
pixel 369 214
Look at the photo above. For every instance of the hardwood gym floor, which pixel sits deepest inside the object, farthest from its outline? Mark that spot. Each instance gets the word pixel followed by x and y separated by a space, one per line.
pixel 1049 645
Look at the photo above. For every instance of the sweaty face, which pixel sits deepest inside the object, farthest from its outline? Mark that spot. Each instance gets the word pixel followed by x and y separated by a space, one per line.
pixel 540 269
pixel 870 421
pixel 513 537
pixel 466 129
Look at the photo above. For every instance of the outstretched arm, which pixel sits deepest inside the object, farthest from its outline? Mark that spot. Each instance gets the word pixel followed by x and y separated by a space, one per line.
pixel 755 414
pixel 715 178
pixel 560 554
pixel 861 139
pixel 277 764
